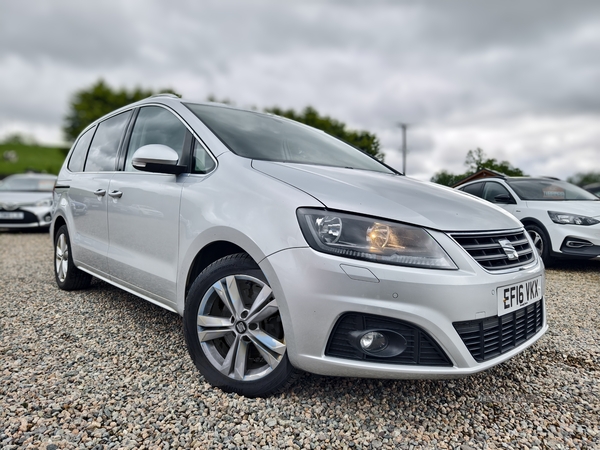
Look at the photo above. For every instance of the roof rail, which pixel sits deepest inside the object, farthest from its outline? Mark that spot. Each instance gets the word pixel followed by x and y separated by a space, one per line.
pixel 165 94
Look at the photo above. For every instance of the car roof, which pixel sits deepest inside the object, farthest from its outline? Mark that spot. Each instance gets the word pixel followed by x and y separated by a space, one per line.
pixel 518 179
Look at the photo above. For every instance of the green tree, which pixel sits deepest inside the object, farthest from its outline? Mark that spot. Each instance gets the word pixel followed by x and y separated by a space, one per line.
pixel 99 99
pixel 91 103
pixel 446 178
pixel 584 178
pixel 367 142
pixel 475 161
pixel 19 139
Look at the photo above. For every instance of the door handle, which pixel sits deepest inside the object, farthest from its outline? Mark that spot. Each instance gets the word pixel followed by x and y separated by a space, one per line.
pixel 116 194
pixel 100 192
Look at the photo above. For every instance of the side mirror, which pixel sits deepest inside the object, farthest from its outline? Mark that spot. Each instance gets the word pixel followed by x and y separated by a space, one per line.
pixel 504 199
pixel 157 158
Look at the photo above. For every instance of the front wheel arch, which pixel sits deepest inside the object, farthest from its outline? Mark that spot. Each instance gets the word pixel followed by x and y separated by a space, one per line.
pixel 541 239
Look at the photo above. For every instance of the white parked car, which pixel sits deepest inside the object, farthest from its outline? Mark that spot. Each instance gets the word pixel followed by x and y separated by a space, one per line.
pixel 285 249
pixel 562 219
pixel 26 200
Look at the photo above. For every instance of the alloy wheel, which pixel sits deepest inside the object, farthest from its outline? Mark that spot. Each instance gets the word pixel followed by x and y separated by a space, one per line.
pixel 538 241
pixel 239 328
pixel 62 258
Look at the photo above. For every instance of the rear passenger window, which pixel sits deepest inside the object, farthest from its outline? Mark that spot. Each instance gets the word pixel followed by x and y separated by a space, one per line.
pixel 80 150
pixel 103 151
pixel 156 125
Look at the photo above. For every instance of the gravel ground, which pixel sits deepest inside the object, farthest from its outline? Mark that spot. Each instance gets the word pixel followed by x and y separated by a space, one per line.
pixel 101 369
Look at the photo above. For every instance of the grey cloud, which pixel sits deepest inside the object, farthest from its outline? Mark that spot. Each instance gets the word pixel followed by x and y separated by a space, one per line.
pixel 459 65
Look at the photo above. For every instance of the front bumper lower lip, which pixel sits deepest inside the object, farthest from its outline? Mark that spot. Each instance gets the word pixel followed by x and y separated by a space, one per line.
pixel 578 247
pixel 26 225
pixel 332 366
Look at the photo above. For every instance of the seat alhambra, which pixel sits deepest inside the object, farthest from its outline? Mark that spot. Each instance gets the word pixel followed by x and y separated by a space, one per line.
pixel 287 250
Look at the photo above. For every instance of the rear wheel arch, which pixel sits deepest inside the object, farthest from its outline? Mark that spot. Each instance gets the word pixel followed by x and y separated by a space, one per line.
pixel 58 222
pixel 68 277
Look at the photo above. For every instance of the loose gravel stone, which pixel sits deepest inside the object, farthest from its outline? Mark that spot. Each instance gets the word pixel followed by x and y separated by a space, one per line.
pixel 102 369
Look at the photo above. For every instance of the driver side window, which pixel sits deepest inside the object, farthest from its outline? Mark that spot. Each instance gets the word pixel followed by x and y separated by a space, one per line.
pixel 155 125
pixel 491 190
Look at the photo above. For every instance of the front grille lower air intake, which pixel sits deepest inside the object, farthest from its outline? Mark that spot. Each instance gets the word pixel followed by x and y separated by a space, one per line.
pixel 491 337
pixel 491 252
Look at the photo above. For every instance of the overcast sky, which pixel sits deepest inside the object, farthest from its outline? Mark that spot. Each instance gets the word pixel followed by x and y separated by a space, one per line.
pixel 519 79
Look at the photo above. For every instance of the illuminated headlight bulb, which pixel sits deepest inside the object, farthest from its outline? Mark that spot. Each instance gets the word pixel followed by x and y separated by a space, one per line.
pixel 329 229
pixel 378 235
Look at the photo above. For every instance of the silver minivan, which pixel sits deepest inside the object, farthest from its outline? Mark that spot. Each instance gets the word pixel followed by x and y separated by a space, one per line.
pixel 285 249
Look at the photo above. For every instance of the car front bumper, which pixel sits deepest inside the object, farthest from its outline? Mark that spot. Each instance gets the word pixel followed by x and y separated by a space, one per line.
pixel 576 241
pixel 314 290
pixel 33 217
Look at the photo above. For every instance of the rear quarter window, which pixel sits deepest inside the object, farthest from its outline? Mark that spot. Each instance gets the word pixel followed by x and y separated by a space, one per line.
pixel 80 151
pixel 105 144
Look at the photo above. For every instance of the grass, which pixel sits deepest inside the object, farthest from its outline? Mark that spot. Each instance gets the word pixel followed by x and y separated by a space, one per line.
pixel 17 157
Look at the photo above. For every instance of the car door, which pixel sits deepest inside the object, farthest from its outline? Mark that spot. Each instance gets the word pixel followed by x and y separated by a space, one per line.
pixel 88 185
pixel 143 211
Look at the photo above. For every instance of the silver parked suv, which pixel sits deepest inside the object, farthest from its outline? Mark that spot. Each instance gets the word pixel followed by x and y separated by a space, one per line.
pixel 285 249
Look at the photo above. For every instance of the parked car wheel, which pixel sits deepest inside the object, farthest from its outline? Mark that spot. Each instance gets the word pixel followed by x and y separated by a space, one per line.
pixel 233 329
pixel 540 241
pixel 68 277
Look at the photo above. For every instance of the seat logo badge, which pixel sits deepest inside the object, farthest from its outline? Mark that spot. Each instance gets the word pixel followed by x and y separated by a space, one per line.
pixel 9 206
pixel 509 249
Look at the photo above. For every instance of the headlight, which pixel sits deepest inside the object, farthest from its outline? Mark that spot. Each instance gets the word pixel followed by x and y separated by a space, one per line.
pixel 573 219
pixel 370 239
pixel 45 202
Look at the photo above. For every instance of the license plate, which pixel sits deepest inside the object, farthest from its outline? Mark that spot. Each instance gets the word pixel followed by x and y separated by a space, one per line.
pixel 517 296
pixel 12 215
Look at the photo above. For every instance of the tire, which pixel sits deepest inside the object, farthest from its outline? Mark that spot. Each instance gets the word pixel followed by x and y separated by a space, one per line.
pixel 541 242
pixel 233 329
pixel 68 277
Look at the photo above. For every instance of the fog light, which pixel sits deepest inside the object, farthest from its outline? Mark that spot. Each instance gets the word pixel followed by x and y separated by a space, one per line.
pixel 380 343
pixel 579 243
pixel 373 341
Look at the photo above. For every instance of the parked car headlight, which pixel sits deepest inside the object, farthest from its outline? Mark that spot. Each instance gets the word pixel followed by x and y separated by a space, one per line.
pixel 573 219
pixel 375 240
pixel 45 202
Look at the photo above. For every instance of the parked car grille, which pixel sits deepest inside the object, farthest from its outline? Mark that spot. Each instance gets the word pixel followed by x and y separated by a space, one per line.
pixel 486 249
pixel 421 348
pixel 493 336
pixel 28 217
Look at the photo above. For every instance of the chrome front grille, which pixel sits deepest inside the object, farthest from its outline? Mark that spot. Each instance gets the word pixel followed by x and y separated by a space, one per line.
pixel 493 251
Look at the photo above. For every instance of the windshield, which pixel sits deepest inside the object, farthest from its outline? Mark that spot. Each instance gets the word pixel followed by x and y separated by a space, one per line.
pixel 549 190
pixel 27 184
pixel 272 138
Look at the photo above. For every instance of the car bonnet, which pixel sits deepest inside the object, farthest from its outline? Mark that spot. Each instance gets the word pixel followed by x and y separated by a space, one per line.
pixel 391 196
pixel 15 198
